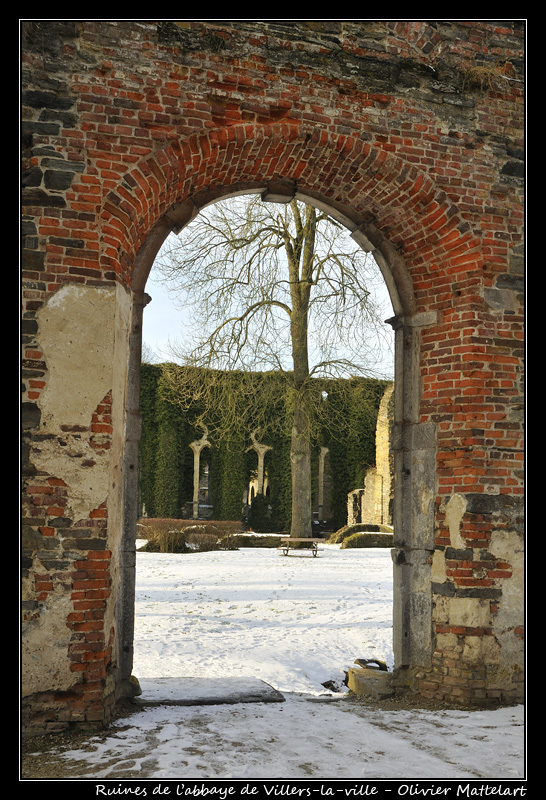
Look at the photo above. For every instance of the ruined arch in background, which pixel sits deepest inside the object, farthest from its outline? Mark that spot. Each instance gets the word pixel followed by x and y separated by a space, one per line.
pixel 403 202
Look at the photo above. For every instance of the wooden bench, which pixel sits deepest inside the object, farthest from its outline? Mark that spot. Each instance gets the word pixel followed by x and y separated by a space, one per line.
pixel 289 540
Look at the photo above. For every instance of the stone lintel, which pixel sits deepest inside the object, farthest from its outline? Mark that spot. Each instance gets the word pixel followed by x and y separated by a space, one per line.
pixel 421 320
pixel 279 191
pixel 180 214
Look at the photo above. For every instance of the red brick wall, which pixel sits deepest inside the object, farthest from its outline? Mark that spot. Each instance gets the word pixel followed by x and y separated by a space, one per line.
pixel 122 121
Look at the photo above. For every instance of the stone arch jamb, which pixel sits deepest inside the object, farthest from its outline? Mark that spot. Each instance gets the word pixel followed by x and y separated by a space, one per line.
pixel 414 448
pixel 413 442
pixel 130 461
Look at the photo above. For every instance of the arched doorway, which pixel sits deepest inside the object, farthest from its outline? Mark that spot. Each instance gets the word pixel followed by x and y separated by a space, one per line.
pixel 414 441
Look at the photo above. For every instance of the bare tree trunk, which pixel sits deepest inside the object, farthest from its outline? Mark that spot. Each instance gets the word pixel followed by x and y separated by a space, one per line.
pixel 301 256
pixel 300 460
pixel 300 448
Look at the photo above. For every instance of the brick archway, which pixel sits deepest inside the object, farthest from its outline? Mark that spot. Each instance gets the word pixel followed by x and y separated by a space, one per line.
pixel 375 192
pixel 392 197
pixel 113 164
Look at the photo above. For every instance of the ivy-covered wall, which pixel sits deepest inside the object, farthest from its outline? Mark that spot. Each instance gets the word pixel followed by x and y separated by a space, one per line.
pixel 166 460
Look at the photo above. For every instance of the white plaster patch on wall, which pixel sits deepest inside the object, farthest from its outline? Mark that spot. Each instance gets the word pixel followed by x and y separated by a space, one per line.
pixel 48 633
pixel 469 612
pixel 77 338
pixel 438 569
pixel 455 509
pixel 508 546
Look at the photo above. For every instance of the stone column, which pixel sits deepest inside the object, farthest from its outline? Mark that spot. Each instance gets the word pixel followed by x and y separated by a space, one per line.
pixel 197 446
pixel 323 453
pixel 261 450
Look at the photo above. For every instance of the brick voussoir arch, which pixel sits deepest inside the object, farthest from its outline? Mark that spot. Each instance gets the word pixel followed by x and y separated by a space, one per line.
pixel 370 186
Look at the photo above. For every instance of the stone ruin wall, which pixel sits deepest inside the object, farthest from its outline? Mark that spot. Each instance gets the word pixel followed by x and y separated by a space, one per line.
pixel 373 504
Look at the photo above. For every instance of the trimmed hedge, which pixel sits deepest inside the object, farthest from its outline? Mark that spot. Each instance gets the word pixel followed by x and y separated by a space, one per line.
pixel 251 540
pixel 368 540
pixel 180 536
pixel 187 536
pixel 358 527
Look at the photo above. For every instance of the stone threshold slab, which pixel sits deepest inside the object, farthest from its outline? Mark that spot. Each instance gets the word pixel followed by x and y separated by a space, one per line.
pixel 189 691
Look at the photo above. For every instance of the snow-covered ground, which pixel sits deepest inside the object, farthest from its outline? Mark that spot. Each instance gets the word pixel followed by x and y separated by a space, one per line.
pixel 294 622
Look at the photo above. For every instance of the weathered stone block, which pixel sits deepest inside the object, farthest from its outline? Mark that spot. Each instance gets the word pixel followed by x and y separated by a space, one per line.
pixel 370 682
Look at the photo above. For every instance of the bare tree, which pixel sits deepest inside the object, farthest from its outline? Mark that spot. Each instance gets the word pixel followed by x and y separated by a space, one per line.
pixel 148 354
pixel 279 288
